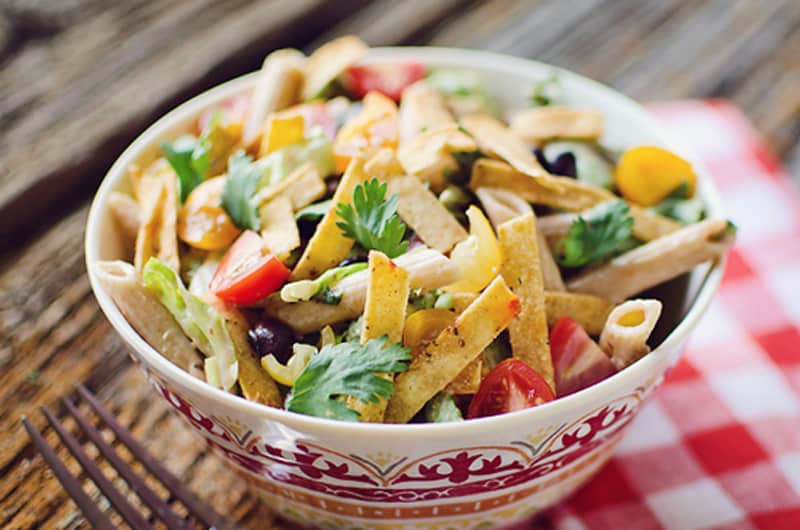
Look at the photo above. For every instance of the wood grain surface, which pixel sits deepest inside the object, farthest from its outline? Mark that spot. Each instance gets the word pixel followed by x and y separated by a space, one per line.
pixel 80 78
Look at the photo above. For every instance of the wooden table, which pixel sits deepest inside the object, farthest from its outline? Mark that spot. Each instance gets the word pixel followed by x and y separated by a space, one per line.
pixel 81 78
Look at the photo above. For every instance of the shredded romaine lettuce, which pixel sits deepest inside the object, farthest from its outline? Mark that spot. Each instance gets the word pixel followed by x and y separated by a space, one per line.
pixel 321 287
pixel 201 323
pixel 276 166
pixel 442 408
pixel 590 165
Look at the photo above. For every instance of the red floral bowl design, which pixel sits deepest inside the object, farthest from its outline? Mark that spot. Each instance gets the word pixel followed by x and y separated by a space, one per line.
pixel 475 474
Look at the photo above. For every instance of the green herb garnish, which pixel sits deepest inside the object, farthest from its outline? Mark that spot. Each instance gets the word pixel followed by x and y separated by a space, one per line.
pixel 189 157
pixel 238 197
pixel 346 369
pixel 596 234
pixel 547 92
pixel 442 408
pixel 372 220
pixel 313 212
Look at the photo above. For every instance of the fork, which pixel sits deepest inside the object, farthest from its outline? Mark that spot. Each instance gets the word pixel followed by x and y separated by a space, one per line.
pixel 160 508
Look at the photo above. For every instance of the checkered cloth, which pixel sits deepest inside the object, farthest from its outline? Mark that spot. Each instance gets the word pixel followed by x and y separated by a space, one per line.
pixel 718 446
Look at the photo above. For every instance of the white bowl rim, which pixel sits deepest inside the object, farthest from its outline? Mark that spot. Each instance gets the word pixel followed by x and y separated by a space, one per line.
pixel 458 57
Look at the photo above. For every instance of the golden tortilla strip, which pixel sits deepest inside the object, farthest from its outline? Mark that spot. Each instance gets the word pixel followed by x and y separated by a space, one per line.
pixel 468 380
pixel 422 211
pixel 540 124
pixel 329 246
pixel 422 108
pixel 278 226
pixel 495 139
pixel 330 60
pixel 302 186
pixel 455 347
pixel 384 314
pixel 655 262
pixel 427 269
pixel 279 86
pixel 383 165
pixel 521 269
pixel 587 310
pixel 429 155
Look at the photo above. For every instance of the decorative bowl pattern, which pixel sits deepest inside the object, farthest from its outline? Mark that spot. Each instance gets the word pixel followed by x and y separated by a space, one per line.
pixel 477 474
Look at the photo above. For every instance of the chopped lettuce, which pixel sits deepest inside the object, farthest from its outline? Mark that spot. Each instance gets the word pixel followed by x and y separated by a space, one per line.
pixel 547 92
pixel 239 196
pixel 189 157
pixel 681 207
pixel 202 274
pixel 314 212
pixel 202 324
pixel 276 166
pixel 321 288
pixel 590 164
pixel 497 351
pixel 442 408
pixel 463 90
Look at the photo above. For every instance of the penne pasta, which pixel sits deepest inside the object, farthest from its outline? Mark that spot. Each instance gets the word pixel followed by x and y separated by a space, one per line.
pixel 422 109
pixel 422 211
pixel 429 155
pixel 330 60
pixel 455 347
pixel 302 186
pixel 158 202
pixel 522 272
pixel 146 315
pixel 655 262
pixel 589 311
pixel 427 269
pixel 540 124
pixel 125 211
pixel 278 227
pixel 624 337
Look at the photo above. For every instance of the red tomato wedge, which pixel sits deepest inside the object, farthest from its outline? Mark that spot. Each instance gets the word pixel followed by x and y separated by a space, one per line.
pixel 511 385
pixel 578 361
pixel 388 79
pixel 247 272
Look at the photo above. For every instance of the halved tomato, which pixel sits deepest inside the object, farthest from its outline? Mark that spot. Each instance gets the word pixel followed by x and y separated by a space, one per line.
pixel 509 386
pixel 248 272
pixel 388 79
pixel 578 362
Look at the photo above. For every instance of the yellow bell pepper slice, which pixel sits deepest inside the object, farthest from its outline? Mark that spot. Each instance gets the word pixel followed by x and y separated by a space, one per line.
pixel 423 326
pixel 647 175
pixel 478 257
pixel 283 130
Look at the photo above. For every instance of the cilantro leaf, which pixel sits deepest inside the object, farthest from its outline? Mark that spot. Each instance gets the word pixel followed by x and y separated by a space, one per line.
pixel 238 197
pixel 546 92
pixel 189 157
pixel 596 234
pixel 372 220
pixel 346 369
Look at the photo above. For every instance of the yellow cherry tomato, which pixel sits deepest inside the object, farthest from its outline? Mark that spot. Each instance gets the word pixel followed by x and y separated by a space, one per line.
pixel 647 175
pixel 478 257
pixel 374 127
pixel 202 223
pixel 423 326
pixel 282 130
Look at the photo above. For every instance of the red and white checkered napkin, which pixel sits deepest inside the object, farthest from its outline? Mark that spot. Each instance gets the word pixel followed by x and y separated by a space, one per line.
pixel 718 446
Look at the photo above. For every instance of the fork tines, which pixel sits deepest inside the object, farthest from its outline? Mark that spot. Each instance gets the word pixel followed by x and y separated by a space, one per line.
pixel 160 508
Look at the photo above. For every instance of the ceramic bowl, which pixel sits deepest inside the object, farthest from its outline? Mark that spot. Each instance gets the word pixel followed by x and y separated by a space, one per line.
pixel 475 474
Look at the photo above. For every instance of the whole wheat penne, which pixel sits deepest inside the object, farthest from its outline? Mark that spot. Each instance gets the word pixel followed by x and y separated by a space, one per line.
pixel 158 202
pixel 168 222
pixel 302 186
pixel 328 246
pixel 587 310
pixel 449 353
pixel 384 314
pixel 330 60
pixel 655 262
pixel 125 211
pixel 494 138
pixel 255 382
pixel 575 196
pixel 429 155
pixel 427 269
pixel 422 108
pixel 146 314
pixel 503 205
pixel 521 270
pixel 422 211
pixel 280 83
pixel 624 337
pixel 540 124
pixel 278 226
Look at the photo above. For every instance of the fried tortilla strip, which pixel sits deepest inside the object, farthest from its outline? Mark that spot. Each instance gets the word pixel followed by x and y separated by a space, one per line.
pixel 522 272
pixel 587 310
pixel 384 314
pixel 330 60
pixel 576 196
pixel 384 165
pixel 125 211
pixel 158 203
pixel 329 246
pixel 422 211
pixel 256 384
pixel 455 347
pixel 495 139
pixel 280 84
pixel 655 262
pixel 429 155
pixel 503 205
pixel 422 108
pixel 278 227
pixel 468 380
pixel 540 124
pixel 427 269
pixel 146 315
pixel 302 186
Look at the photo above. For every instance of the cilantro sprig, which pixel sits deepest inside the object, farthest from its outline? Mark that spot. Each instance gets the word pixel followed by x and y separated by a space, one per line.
pixel 596 234
pixel 189 157
pixel 238 196
pixel 346 369
pixel 372 220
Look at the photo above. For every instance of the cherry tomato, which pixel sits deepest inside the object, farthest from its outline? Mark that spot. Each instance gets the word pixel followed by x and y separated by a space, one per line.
pixel 202 223
pixel 388 79
pixel 248 272
pixel 578 362
pixel 509 386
